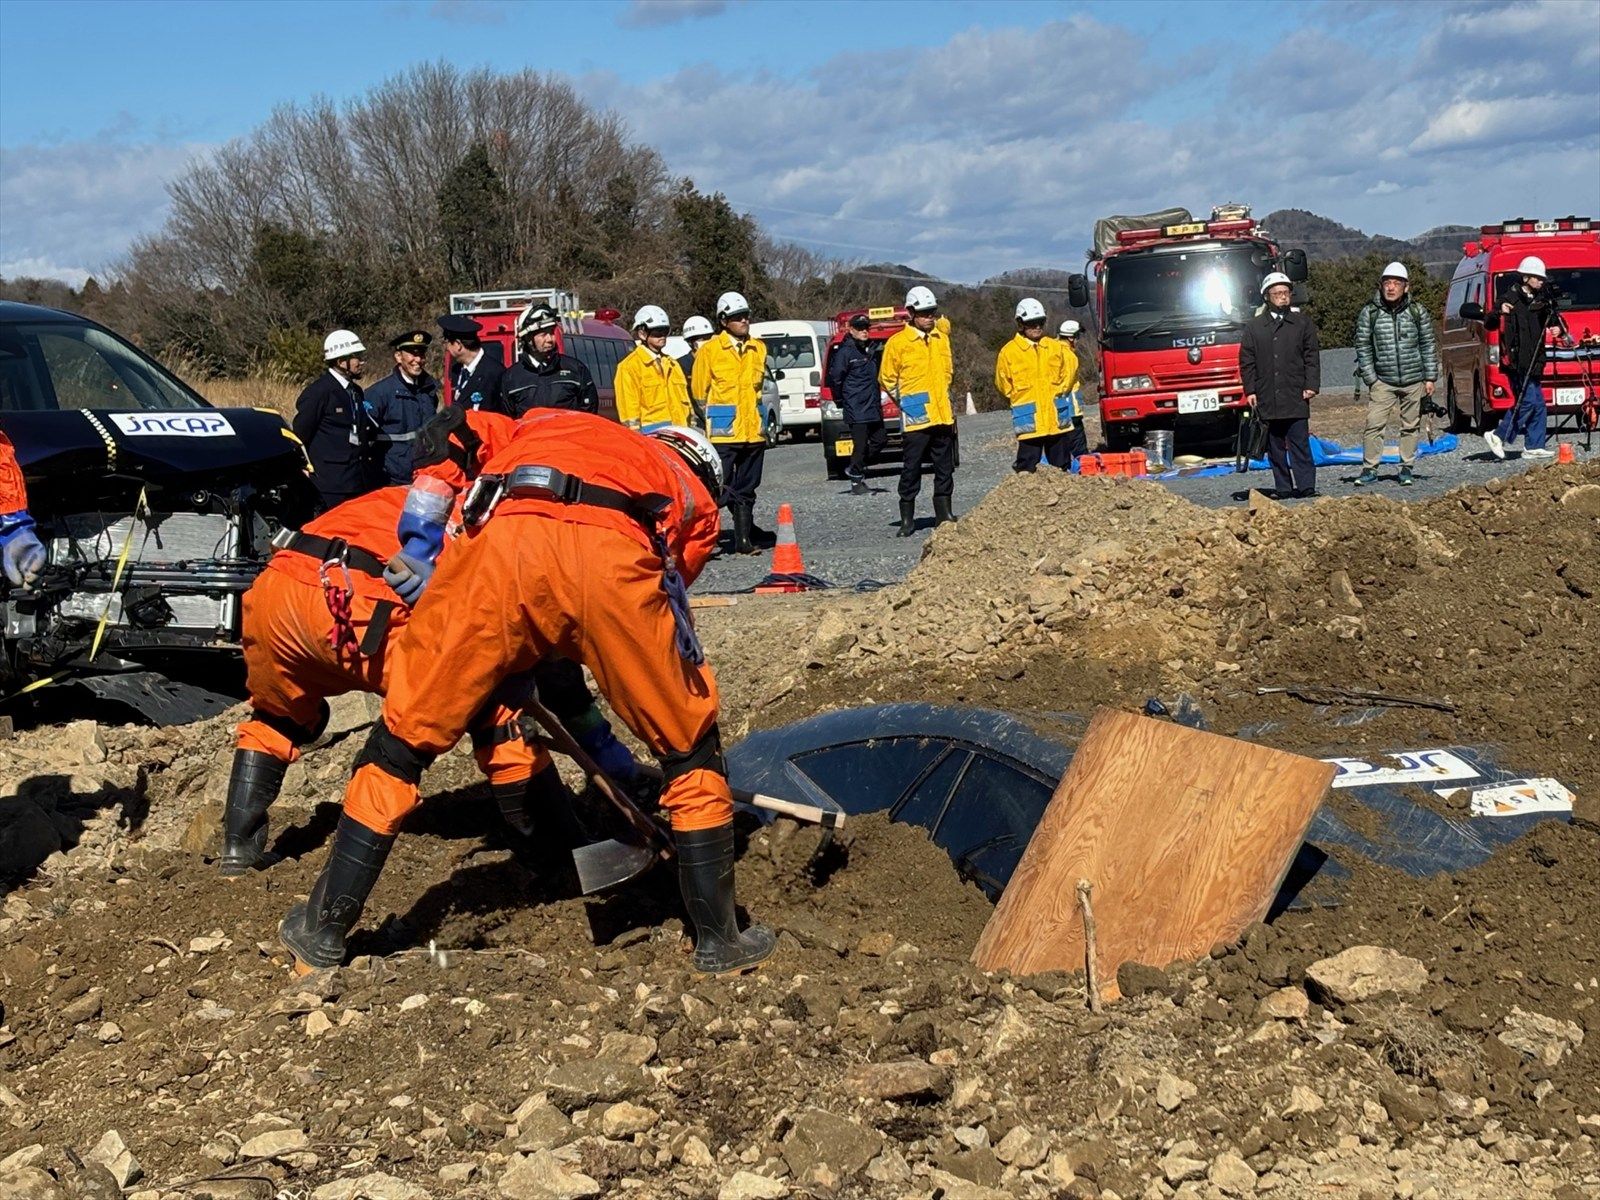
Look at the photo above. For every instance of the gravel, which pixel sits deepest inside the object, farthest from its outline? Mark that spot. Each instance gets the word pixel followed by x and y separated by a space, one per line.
pixel 847 539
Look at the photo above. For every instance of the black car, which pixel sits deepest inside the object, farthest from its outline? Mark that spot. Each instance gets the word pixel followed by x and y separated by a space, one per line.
pixel 157 510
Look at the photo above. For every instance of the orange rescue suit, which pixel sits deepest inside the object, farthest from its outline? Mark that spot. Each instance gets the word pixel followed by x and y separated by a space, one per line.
pixel 540 578
pixel 292 667
pixel 13 490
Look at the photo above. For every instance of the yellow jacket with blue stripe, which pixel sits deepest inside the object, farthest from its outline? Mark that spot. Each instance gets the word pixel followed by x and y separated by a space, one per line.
pixel 1038 379
pixel 916 370
pixel 728 375
pixel 651 391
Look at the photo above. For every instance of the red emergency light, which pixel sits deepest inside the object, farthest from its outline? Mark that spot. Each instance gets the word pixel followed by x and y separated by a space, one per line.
pixel 1569 224
pixel 1134 237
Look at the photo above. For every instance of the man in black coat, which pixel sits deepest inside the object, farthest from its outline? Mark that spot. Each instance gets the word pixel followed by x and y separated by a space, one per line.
pixel 1279 363
pixel 334 424
pixel 475 370
pixel 853 379
pixel 543 377
pixel 1522 316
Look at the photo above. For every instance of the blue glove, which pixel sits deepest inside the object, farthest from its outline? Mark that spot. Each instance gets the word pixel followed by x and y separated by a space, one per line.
pixel 408 575
pixel 22 554
pixel 609 754
pixel 422 520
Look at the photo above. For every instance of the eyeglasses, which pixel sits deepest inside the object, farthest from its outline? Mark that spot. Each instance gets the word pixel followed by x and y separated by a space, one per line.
pixel 738 316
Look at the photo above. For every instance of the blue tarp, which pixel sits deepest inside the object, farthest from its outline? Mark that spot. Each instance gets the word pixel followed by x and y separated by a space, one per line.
pixel 1325 454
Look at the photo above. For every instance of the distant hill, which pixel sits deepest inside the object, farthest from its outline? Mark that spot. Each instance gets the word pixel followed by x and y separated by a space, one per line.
pixel 1326 239
pixel 1026 277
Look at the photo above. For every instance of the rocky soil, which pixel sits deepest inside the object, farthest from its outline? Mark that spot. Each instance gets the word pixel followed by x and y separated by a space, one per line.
pixel 496 1036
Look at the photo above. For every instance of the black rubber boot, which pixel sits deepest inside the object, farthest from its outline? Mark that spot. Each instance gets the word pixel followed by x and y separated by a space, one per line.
pixel 252 787
pixel 705 875
pixel 541 806
pixel 315 931
pixel 761 539
pixel 908 518
pixel 741 529
pixel 941 510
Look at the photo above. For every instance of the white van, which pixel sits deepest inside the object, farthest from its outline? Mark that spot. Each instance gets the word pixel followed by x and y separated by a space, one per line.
pixel 795 351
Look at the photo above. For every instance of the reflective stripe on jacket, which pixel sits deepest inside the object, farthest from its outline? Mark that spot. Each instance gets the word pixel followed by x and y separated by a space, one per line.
pixel 916 370
pixel 728 375
pixel 1037 379
pixel 651 391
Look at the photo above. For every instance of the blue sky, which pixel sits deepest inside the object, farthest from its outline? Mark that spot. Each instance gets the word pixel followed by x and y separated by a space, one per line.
pixel 965 139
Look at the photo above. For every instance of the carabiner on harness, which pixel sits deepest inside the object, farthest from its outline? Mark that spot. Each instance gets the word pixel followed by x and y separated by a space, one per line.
pixel 340 596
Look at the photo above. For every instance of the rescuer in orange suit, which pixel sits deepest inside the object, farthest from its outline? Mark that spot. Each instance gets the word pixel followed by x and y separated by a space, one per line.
pixel 22 554
pixel 324 619
pixel 581 537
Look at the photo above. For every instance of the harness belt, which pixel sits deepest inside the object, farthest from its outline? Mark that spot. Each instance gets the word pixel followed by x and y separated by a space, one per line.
pixel 337 554
pixel 550 483
pixel 329 550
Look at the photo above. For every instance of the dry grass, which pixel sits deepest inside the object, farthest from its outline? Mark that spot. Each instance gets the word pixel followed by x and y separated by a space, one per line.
pixel 248 393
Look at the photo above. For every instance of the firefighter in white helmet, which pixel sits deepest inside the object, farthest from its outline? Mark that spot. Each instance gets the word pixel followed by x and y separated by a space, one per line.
pixel 542 376
pixel 1522 316
pixel 1036 374
pixel 729 370
pixel 333 423
pixel 916 371
pixel 651 391
pixel 1068 333
pixel 695 332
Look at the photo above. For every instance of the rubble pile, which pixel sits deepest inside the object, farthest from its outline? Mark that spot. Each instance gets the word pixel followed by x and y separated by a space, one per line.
pixel 496 1037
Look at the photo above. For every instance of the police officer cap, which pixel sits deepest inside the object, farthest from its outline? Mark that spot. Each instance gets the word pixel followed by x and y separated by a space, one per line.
pixel 861 321
pixel 412 339
pixel 456 326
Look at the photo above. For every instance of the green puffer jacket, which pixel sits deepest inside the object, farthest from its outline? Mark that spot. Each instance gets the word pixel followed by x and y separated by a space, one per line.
pixel 1396 345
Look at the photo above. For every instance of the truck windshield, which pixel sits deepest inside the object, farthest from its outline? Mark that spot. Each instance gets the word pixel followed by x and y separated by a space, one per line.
pixel 790 350
pixel 1200 287
pixel 1576 287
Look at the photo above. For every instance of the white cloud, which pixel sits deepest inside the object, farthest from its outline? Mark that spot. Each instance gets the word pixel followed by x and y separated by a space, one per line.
pixel 71 210
pixel 1384 187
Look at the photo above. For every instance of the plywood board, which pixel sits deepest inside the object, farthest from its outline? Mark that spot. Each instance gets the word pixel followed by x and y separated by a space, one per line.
pixel 1185 837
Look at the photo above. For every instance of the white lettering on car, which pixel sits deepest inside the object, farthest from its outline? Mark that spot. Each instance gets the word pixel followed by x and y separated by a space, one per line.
pixel 188 424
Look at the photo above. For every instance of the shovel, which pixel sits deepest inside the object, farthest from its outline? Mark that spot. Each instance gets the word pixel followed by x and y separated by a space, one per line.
pixel 611 863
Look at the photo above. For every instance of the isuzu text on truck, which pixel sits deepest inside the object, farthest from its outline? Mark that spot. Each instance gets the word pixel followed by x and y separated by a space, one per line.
pixel 1171 296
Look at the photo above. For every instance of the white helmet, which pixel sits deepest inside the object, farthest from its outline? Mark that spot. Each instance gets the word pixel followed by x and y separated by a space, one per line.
pixel 1029 311
pixel 341 343
pixel 1532 265
pixel 730 303
pixel 1396 270
pixel 1273 280
pixel 920 299
pixel 652 318
pixel 696 450
pixel 697 327
pixel 536 318
pixel 1070 329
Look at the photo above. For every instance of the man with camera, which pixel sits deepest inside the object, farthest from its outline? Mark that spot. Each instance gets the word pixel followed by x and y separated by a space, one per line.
pixel 1523 316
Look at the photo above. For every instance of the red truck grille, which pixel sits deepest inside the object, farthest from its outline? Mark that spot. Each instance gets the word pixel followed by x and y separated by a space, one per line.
pixel 1202 377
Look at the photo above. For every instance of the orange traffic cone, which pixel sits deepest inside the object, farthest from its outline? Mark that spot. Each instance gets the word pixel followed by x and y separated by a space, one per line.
pixel 1564 453
pixel 786 558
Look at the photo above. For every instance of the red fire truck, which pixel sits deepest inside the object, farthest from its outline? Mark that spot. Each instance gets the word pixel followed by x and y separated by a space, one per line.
pixel 1477 390
pixel 593 338
pixel 1170 301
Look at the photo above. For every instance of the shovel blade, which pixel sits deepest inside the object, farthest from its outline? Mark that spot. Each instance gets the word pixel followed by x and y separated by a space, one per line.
pixel 609 864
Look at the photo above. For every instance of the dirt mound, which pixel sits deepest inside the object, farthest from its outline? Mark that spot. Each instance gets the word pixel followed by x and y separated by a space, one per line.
pixel 496 1036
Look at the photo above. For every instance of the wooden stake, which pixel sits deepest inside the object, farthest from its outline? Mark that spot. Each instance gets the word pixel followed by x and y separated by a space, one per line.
pixel 1090 949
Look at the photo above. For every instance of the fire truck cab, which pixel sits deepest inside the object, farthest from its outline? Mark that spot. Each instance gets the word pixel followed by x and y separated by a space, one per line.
pixel 1170 302
pixel 1477 388
pixel 593 338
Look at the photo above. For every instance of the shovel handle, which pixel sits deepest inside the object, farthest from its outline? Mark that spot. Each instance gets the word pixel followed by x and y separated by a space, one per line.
pixel 565 743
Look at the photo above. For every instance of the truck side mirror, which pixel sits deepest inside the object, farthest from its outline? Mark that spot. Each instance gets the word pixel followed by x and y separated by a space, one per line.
pixel 1294 265
pixel 1472 311
pixel 1078 291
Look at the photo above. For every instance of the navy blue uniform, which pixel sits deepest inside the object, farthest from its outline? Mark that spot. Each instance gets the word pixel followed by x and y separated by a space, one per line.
pixel 560 381
pixel 333 422
pixel 401 407
pixel 479 390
